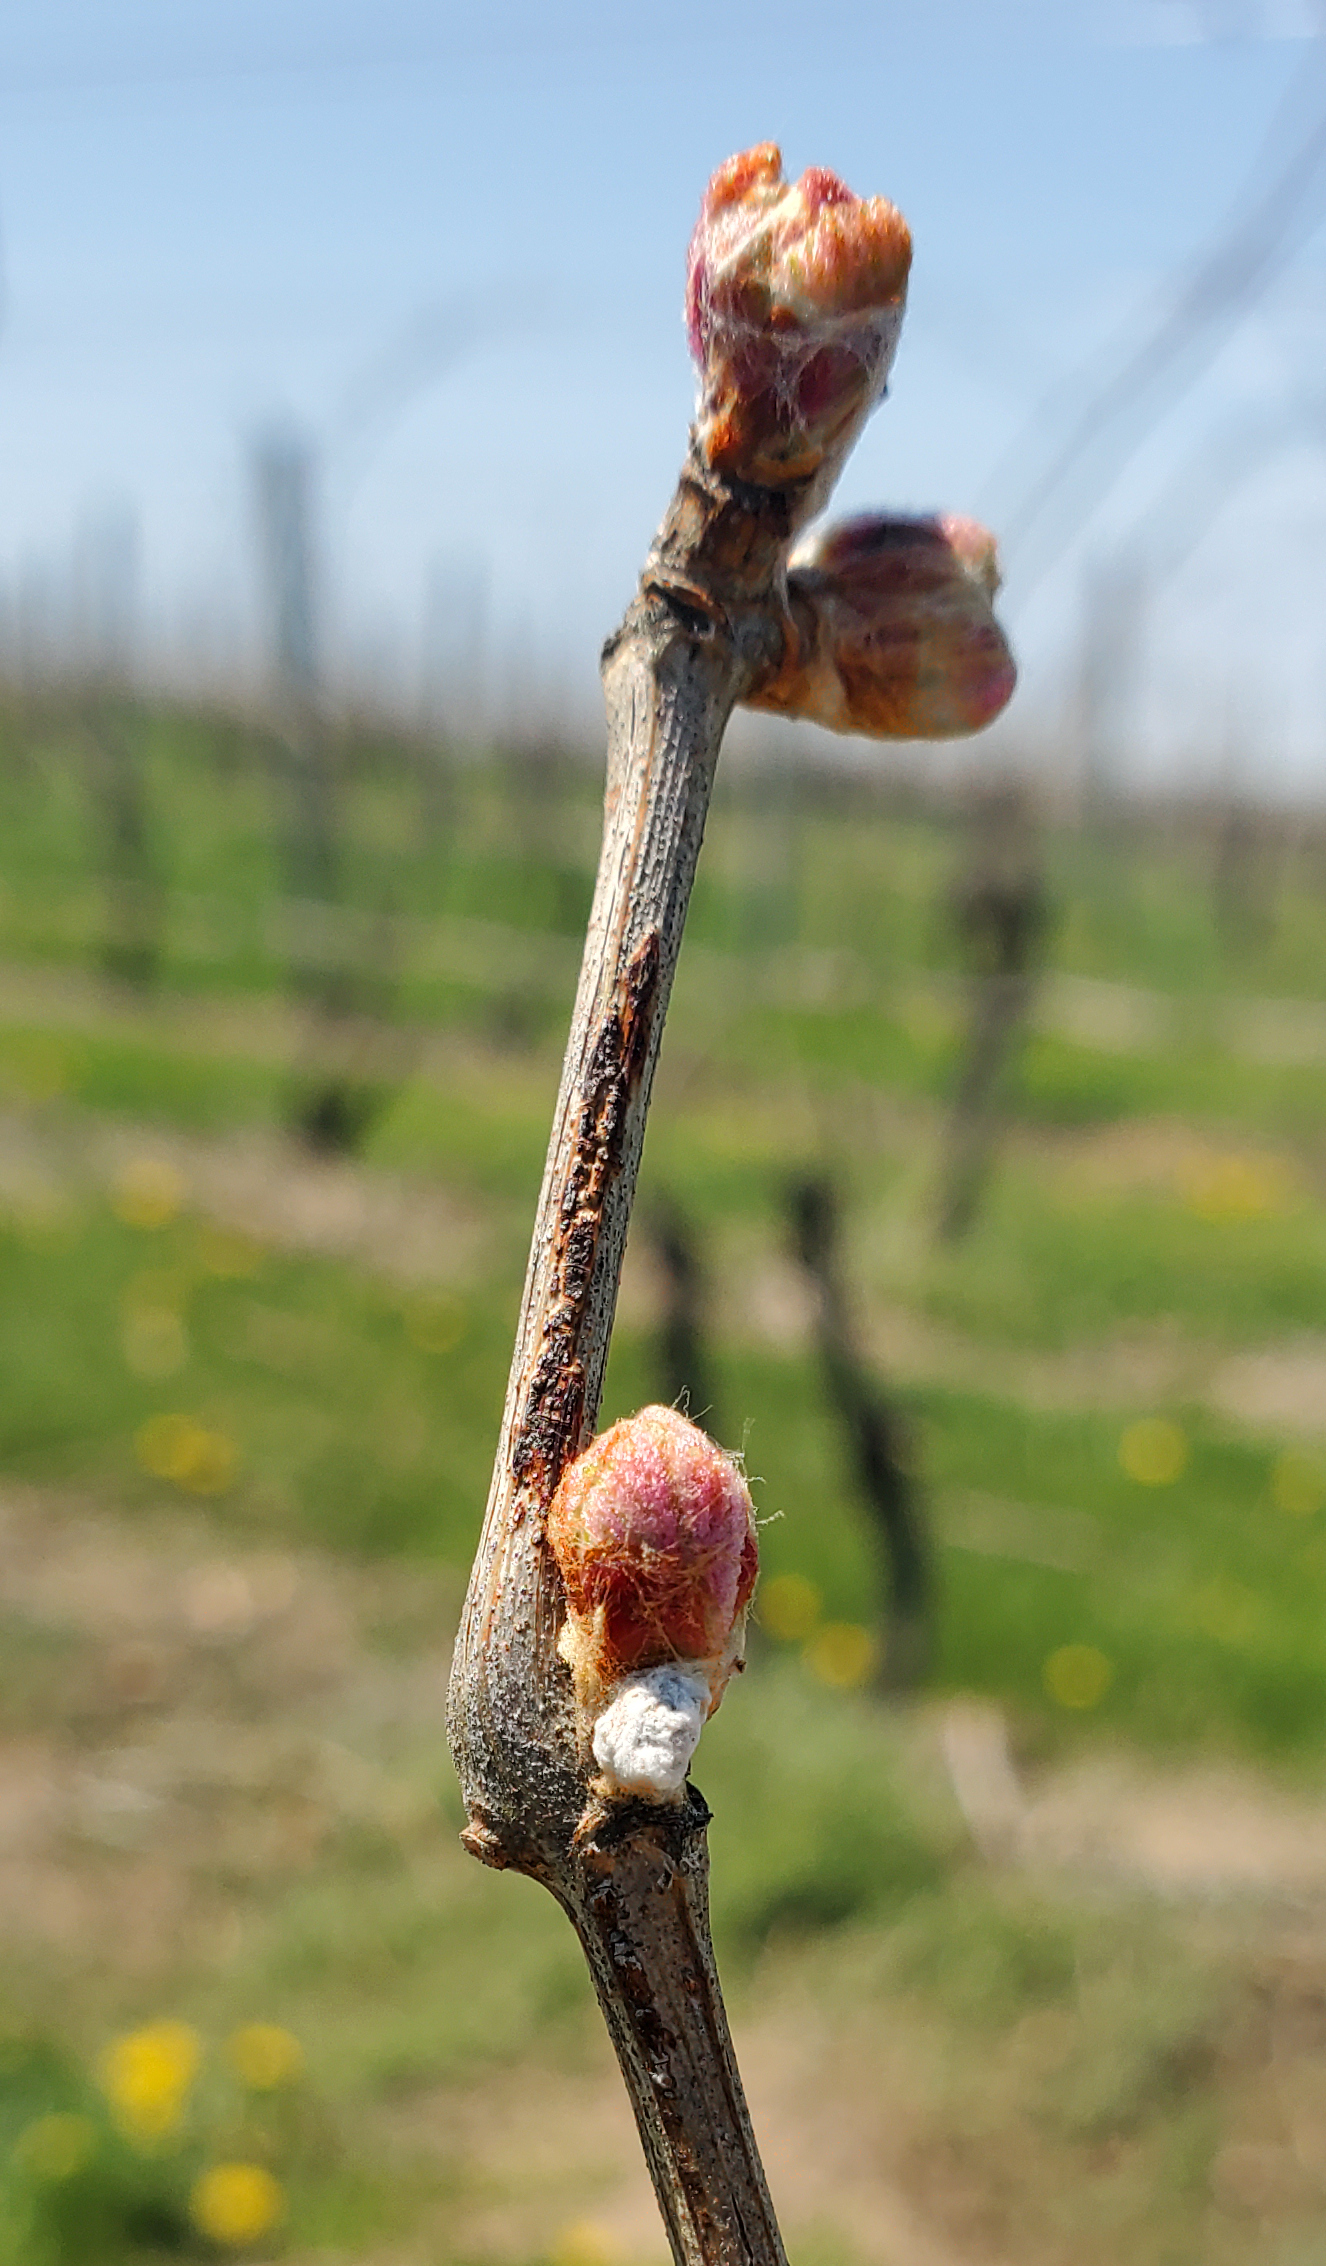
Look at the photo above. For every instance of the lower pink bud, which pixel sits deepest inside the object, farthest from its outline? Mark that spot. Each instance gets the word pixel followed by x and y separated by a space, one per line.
pixel 653 1531
pixel 894 632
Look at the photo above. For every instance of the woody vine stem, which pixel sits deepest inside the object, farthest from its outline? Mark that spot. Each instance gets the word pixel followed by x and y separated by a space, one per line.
pixel 795 297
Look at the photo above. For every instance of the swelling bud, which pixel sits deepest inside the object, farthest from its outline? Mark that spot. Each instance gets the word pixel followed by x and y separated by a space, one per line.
pixel 653 1531
pixel 794 301
pixel 892 630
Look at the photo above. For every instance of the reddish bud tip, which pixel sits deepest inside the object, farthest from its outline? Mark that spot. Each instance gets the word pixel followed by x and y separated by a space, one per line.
pixel 894 634
pixel 654 1535
pixel 794 300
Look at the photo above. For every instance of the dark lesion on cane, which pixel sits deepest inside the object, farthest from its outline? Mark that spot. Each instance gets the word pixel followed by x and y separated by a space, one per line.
pixel 554 1410
pixel 552 1420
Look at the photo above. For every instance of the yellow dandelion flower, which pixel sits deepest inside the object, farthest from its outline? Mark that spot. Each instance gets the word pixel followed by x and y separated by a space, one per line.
pixel 163 1444
pixel 1154 1451
pixel 236 2203
pixel 210 1467
pixel 583 2242
pixel 148 1193
pixel 788 1606
pixel 1237 1187
pixel 56 2147
pixel 147 2076
pixel 1077 1676
pixel 180 1449
pixel 264 2056
pixel 842 1653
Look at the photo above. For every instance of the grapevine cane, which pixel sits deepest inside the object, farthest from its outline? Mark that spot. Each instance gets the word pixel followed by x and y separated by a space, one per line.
pixel 607 1601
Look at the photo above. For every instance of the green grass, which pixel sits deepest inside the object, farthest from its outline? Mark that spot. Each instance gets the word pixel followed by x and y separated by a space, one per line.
pixel 1062 1083
pixel 292 1398
pixel 1072 2039
pixel 1055 1262
pixel 342 1423
pixel 361 1414
pixel 1207 1600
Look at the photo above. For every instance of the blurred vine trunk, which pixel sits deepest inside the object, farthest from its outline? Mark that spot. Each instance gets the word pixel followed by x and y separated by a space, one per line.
pixel 681 1357
pixel 875 1442
pixel 113 731
pixel 340 961
pixel 135 900
pixel 1247 874
pixel 1000 910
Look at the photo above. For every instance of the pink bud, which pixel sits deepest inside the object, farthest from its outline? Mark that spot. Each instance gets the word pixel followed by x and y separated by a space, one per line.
pixel 794 301
pixel 654 1535
pixel 894 634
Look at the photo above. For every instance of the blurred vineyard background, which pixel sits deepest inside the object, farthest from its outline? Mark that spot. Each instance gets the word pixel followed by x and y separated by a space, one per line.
pixel 1022 1920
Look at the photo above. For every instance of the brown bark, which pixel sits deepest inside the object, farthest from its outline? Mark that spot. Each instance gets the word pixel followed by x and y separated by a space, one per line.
pixel 707 624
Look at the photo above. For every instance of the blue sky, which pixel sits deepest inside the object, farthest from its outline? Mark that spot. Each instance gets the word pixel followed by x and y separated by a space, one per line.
pixel 448 247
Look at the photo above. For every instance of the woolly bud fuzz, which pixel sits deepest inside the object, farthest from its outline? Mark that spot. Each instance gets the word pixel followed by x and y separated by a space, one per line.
pixel 645 1737
pixel 893 630
pixel 794 301
pixel 653 1532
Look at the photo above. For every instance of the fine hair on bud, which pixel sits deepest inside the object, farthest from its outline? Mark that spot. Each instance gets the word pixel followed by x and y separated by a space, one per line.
pixel 653 1531
pixel 794 301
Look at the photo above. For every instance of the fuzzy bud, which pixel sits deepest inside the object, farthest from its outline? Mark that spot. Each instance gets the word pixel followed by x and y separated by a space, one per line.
pixel 893 630
pixel 794 301
pixel 653 1532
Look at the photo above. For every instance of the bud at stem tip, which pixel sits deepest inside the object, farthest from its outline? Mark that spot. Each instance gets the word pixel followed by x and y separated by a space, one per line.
pixel 794 301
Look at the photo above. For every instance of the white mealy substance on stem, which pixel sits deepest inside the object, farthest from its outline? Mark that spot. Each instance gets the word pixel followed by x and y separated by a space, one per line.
pixel 646 1735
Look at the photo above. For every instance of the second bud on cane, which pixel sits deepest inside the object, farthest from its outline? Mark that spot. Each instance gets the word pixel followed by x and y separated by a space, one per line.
pixel 892 630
